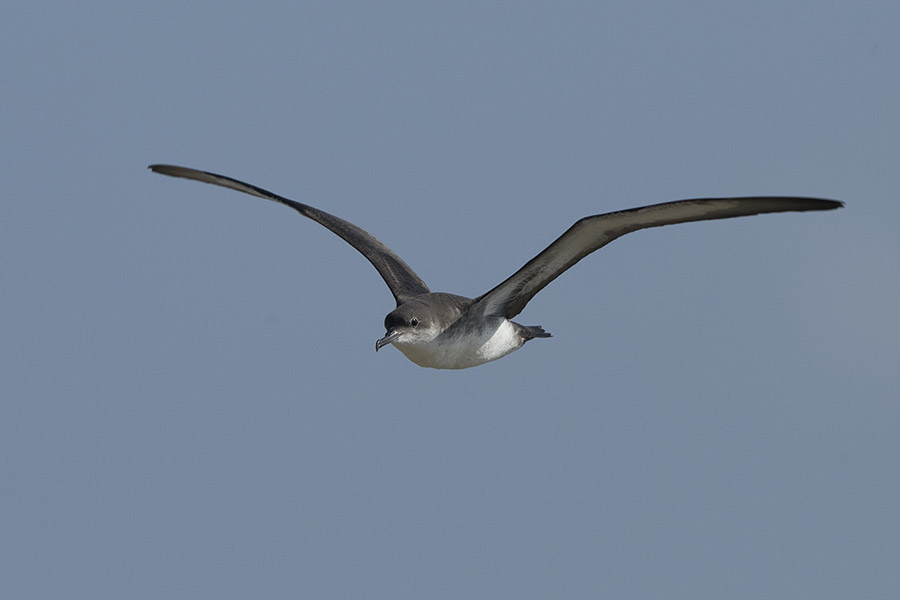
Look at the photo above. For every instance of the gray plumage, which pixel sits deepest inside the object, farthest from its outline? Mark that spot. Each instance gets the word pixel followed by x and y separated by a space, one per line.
pixel 446 331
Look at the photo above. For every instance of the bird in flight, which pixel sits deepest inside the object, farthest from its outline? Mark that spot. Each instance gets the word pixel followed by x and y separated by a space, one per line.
pixel 446 331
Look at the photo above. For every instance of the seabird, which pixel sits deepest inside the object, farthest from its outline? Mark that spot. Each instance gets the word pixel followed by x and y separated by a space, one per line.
pixel 446 331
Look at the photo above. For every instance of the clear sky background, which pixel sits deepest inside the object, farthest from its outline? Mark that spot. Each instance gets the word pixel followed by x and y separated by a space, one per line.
pixel 191 402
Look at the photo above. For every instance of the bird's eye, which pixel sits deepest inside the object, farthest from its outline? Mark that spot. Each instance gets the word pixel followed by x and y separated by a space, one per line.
pixel 414 322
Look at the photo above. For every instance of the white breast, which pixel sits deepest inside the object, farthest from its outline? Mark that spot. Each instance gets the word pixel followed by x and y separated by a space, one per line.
pixel 462 352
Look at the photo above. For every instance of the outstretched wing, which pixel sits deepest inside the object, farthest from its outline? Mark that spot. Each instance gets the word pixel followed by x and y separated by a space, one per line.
pixel 592 233
pixel 402 281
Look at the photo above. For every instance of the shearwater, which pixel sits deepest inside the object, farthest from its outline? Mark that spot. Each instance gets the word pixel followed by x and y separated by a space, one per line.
pixel 446 331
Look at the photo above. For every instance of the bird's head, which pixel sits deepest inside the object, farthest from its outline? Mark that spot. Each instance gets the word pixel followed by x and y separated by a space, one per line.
pixel 408 325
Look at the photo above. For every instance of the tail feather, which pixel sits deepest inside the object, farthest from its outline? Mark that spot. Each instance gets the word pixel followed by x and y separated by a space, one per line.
pixel 529 332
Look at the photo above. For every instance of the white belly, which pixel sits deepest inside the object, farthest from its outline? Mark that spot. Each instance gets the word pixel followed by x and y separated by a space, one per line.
pixel 462 352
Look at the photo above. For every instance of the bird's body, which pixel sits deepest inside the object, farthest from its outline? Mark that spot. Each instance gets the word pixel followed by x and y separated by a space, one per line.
pixel 444 338
pixel 446 331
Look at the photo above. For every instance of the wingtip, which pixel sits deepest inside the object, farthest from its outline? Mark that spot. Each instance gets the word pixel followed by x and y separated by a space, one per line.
pixel 819 203
pixel 163 169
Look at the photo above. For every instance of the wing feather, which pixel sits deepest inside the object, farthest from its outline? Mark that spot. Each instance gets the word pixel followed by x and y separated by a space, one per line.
pixel 592 233
pixel 399 277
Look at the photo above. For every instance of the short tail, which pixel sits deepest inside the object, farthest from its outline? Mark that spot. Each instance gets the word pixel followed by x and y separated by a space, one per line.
pixel 529 332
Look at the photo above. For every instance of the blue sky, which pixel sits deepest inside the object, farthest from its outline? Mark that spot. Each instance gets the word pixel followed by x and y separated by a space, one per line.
pixel 192 405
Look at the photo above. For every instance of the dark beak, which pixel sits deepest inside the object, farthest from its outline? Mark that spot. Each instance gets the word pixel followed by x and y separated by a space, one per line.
pixel 389 338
